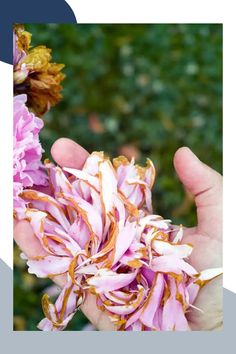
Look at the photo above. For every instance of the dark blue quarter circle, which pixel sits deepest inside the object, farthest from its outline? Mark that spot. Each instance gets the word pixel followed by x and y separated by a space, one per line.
pixel 29 11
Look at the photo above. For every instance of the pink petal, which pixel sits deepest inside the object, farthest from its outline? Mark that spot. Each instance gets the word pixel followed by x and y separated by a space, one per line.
pixel 124 240
pixel 171 264
pixel 167 249
pixel 48 204
pixel 59 315
pixel 106 280
pixel 90 216
pixel 173 317
pixel 85 177
pixel 108 185
pixel 47 266
pixel 130 307
pixel 153 301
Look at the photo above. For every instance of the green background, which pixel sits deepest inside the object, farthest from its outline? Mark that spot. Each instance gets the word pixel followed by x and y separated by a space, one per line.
pixel 133 89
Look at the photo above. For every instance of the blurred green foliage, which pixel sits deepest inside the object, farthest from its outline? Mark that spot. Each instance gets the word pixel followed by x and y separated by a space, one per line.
pixel 133 89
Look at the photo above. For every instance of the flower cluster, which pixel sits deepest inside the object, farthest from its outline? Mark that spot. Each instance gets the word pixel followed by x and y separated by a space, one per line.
pixel 27 152
pixel 97 228
pixel 36 88
pixel 35 74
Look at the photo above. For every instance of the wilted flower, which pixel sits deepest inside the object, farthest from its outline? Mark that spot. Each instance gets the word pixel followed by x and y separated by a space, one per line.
pixel 97 227
pixel 35 74
pixel 27 151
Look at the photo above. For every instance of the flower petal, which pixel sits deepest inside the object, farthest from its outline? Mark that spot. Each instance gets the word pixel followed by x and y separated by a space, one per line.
pixel 167 249
pixel 171 264
pixel 106 280
pixel 48 266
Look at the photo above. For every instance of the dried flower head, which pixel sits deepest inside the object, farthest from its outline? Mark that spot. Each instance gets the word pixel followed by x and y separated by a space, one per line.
pixel 35 74
pixel 97 227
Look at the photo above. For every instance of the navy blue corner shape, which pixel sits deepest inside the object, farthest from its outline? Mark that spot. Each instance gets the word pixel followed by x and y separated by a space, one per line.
pixel 29 11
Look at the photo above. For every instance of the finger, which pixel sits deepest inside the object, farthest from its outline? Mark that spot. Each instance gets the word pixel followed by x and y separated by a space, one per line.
pixel 68 153
pixel 26 240
pixel 31 247
pixel 97 317
pixel 210 301
pixel 206 186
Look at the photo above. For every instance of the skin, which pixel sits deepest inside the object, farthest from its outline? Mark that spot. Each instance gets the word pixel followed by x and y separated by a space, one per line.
pixel 205 185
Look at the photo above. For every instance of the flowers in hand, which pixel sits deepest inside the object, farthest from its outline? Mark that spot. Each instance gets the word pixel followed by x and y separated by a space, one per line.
pixel 35 74
pixel 97 228
pixel 96 225
pixel 27 152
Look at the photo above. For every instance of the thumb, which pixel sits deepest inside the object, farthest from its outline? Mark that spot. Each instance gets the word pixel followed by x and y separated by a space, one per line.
pixel 206 186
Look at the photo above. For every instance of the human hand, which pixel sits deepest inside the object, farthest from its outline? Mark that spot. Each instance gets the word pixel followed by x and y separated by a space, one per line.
pixel 197 178
pixel 205 185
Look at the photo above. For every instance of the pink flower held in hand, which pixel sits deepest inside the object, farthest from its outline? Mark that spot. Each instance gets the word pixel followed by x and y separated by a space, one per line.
pixel 97 228
pixel 27 152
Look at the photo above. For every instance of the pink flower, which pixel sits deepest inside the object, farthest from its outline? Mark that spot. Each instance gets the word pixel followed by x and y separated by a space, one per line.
pixel 97 228
pixel 27 151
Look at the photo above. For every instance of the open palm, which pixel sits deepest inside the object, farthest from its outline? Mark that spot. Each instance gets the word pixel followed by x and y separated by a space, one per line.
pixel 206 186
